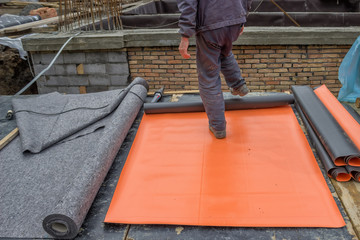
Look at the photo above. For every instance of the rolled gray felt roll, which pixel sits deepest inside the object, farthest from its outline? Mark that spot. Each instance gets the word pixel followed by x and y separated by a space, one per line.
pixel 334 139
pixel 60 226
pixel 338 173
pixel 250 102
pixel 48 194
pixel 49 118
pixel 68 216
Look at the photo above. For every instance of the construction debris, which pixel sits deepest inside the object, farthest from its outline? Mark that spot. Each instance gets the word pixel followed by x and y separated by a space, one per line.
pixel 44 12
pixel 89 15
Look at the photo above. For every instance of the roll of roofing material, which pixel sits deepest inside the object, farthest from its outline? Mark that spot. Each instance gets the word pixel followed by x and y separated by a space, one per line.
pixel 338 173
pixel 66 218
pixel 353 113
pixel 52 115
pixel 251 102
pixel 48 194
pixel 350 126
pixel 337 143
pixel 355 172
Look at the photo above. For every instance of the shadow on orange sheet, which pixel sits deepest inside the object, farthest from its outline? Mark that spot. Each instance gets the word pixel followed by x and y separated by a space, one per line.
pixel 262 175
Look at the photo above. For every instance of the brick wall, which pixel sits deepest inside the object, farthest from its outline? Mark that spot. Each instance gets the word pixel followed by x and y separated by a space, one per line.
pixel 75 72
pixel 266 68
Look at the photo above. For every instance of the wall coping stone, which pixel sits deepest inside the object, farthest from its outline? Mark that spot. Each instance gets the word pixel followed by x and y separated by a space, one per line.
pixel 118 40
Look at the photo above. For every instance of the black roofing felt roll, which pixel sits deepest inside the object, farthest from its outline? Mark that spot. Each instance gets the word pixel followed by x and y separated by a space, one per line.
pixel 334 139
pixel 48 194
pixel 250 102
pixel 336 172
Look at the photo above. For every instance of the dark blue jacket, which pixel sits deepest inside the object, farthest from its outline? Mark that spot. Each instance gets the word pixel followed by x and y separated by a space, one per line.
pixel 202 15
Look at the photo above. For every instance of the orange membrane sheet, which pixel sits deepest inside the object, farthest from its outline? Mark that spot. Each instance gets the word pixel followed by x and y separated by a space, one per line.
pixel 262 175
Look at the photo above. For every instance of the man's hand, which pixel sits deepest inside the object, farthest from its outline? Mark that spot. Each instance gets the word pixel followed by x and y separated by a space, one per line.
pixel 242 29
pixel 183 47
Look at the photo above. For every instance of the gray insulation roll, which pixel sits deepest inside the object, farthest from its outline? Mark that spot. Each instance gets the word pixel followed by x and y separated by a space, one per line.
pixel 250 102
pixel 69 214
pixel 50 123
pixel 48 194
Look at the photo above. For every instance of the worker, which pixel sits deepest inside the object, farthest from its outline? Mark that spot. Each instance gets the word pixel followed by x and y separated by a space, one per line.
pixel 216 24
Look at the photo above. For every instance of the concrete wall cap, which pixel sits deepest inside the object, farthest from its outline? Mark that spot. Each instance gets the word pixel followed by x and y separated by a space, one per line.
pixel 170 37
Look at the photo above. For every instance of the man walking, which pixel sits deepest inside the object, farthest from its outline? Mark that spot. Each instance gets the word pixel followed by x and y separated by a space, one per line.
pixel 216 23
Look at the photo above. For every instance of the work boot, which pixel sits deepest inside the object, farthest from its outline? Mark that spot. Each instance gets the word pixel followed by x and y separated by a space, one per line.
pixel 241 91
pixel 218 134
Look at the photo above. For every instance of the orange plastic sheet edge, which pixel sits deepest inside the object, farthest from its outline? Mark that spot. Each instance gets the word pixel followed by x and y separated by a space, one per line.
pixel 342 116
pixel 263 174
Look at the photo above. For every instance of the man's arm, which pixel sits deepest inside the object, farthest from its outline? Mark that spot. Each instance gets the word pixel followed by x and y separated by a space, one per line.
pixel 187 24
pixel 187 21
pixel 183 47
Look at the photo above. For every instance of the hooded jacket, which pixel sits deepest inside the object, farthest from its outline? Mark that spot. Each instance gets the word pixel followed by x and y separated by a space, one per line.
pixel 202 15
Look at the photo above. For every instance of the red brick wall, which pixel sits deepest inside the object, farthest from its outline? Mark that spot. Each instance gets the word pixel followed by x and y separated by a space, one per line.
pixel 266 68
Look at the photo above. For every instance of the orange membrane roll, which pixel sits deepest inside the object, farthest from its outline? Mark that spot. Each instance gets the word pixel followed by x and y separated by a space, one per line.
pixel 343 117
pixel 343 177
pixel 263 174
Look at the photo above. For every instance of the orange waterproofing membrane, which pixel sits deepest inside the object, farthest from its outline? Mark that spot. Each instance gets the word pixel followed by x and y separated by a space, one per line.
pixel 263 174
pixel 342 116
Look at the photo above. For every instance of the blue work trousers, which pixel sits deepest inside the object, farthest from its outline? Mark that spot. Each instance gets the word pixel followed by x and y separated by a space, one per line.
pixel 213 54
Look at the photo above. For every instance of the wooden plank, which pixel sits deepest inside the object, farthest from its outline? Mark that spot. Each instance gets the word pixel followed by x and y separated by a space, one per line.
pixel 49 28
pixel 23 4
pixel 8 138
pixel 27 26
pixel 14 11
pixel 127 5
pixel 349 195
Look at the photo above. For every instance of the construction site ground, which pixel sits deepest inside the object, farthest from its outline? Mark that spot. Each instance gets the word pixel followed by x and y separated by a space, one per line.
pixel 14 71
pixel 346 195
